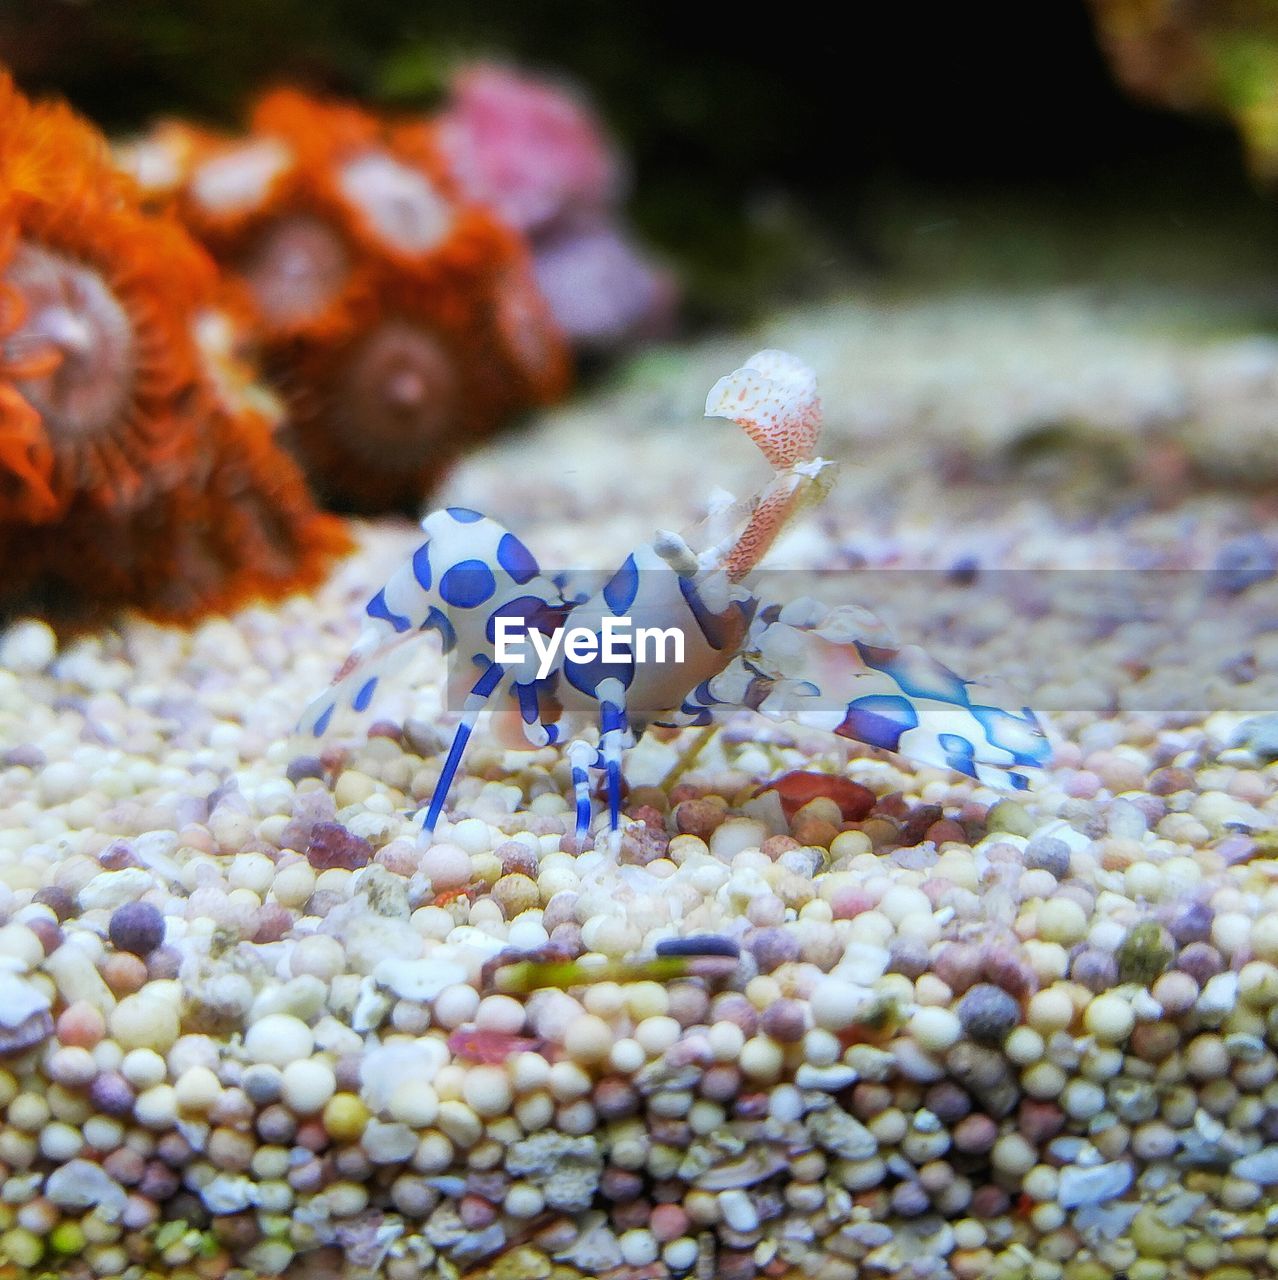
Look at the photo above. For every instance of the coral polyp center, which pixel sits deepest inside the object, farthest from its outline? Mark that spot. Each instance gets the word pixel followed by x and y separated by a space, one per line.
pixel 240 178
pixel 298 267
pixel 72 316
pixel 400 204
pixel 400 395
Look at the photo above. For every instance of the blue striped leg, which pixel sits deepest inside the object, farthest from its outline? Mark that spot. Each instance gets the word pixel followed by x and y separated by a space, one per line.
pixel 480 692
pixel 581 756
pixel 614 737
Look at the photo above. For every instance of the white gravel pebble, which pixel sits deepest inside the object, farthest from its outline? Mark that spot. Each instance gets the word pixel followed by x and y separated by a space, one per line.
pixel 1261 1166
pixel 278 1039
pixel 1092 1185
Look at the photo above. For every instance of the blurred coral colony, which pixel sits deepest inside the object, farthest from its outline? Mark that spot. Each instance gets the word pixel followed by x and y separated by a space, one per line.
pixel 207 341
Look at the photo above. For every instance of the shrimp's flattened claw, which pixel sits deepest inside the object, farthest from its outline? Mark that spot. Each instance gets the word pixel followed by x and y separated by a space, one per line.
pixel 773 397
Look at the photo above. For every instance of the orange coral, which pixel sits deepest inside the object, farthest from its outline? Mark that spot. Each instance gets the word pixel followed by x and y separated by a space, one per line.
pixel 129 472
pixel 401 323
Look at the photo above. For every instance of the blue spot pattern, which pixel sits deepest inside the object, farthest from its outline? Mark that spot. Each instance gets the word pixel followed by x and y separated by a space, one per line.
pixel 321 725
pixel 916 673
pixel 879 719
pixel 378 608
pixel 620 590
pixel 720 630
pixel 587 676
pixel 959 753
pixel 365 695
pixel 529 707
pixel 1014 733
pixel 467 584
pixel 437 620
pixel 516 559
pixel 421 566
pixel 532 611
pixel 464 515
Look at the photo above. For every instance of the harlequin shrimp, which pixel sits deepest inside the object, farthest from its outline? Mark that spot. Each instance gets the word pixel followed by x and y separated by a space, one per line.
pixel 472 581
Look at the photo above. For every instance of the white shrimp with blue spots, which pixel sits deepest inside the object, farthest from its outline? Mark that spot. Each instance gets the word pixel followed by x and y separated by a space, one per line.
pixel 796 663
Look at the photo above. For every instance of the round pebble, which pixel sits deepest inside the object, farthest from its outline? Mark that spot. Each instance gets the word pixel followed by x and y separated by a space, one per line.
pixel 278 1039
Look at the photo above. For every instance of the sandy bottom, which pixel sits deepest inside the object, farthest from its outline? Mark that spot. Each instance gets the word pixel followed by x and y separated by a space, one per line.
pixel 250 1024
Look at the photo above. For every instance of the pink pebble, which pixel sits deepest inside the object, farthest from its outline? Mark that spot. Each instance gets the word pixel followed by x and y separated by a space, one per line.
pixel 1115 771
pixel 1082 785
pixel 81 1024
pixel 447 867
pixel 196 836
pixel 847 903
pixel 400 857
pixel 668 1222
pixel 476 1212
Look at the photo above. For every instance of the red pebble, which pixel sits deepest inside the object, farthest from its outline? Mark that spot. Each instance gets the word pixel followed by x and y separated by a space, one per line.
pixel 271 923
pixel 946 831
pixel 118 857
pixel 1039 1122
pixel 798 787
pixel 476 1212
pixel 331 845
pixel 312 1135
pixel 49 934
pixel 492 1047
pixel 667 1222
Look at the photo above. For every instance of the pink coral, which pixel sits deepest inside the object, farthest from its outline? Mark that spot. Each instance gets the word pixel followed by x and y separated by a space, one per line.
pixel 530 149
pixel 536 154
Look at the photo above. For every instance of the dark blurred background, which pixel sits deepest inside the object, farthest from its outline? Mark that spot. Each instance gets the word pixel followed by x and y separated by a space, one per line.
pixel 771 155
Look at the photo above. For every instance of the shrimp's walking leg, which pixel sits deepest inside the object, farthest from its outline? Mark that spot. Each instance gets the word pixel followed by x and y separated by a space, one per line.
pixel 581 755
pixel 480 692
pixel 614 737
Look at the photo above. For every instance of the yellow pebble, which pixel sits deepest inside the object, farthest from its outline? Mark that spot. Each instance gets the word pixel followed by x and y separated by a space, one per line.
pixel 588 1039
pixel 1050 1010
pixel 345 1117
pixel 646 1000
pixel 352 788
pixel 144 1022
pixel 1109 1018
pixel 1062 920
pixel 1264 938
pixel 762 1059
